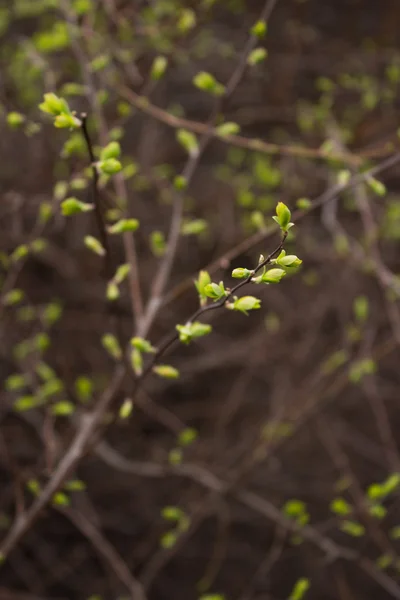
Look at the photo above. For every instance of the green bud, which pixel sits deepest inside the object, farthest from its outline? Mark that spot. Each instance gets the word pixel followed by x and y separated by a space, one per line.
pixel 300 589
pixel 246 303
pixel 207 83
pixel 344 177
pixel 111 166
pixel 187 436
pixel 65 121
pixel 94 245
pixel 123 226
pixel 215 290
pixel 112 291
pixel 15 120
pixel 73 206
pixel 180 182
pixel 290 260
pixel 121 273
pixel 194 227
pixel 341 507
pixel 257 56
pixel 157 243
pixel 137 361
pixel 241 273
pixel 63 408
pixel 192 330
pixel 203 280
pixel 53 105
pixel 376 186
pixel 259 29
pixel 143 345
pixel 273 276
pixel 13 297
pixel 304 203
pixel 112 150
pixel 187 20
pixel 158 67
pixel 111 344
pixel 283 215
pixel 166 371
pixel 126 408
pixel 360 308
pixel 257 220
pixel 188 140
pixel 171 513
pixel 83 388
pixel 228 128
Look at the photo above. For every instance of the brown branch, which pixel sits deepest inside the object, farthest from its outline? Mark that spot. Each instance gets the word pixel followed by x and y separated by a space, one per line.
pixel 255 503
pixel 91 423
pixel 193 161
pixel 95 190
pixel 355 158
pixel 105 549
pixel 330 194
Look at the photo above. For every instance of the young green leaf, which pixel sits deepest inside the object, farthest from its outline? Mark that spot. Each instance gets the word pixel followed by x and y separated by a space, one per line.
pixel 241 273
pixel 143 345
pixel 111 344
pixel 257 56
pixel 94 245
pixel 112 150
pixel 207 83
pixel 126 408
pixel 192 330
pixel 111 166
pixel 215 291
pixel 188 140
pixel 228 128
pixel 158 67
pixel 166 371
pixel 259 29
pixel 72 206
pixel 273 276
pixel 246 303
pixel 65 121
pixel 53 105
pixel 300 589
pixel 283 216
pixel 123 226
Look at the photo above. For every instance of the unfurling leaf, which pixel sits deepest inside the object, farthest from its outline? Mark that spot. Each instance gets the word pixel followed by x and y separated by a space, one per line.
pixel 166 371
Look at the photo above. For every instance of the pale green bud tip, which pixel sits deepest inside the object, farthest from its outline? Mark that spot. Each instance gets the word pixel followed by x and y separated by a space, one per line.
pixel 53 105
pixel 207 83
pixel 66 121
pixel 166 371
pixel 241 273
pixel 110 166
pixel 126 408
pixel 246 303
pixel 273 276
pixel 112 150
pixel 73 206
pixel 123 226
pixel 15 119
pixel 283 216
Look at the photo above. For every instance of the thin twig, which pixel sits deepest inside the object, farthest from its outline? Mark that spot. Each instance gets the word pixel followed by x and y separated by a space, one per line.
pixel 161 278
pixel 330 194
pixel 106 551
pixel 355 158
pixel 95 187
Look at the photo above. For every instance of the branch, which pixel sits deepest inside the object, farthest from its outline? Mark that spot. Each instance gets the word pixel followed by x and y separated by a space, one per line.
pixel 330 194
pixel 106 551
pixel 165 268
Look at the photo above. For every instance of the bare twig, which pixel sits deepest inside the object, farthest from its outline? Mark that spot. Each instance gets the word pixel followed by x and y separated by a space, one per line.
pixel 106 551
